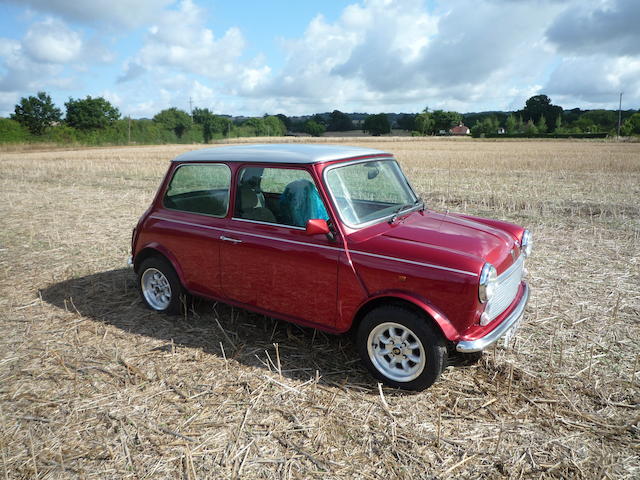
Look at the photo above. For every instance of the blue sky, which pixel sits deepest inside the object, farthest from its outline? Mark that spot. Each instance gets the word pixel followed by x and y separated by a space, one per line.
pixel 251 58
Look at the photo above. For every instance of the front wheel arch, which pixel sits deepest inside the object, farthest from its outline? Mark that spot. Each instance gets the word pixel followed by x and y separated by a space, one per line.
pixel 419 306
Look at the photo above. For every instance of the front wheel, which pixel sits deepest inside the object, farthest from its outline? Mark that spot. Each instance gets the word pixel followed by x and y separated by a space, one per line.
pixel 401 348
pixel 160 286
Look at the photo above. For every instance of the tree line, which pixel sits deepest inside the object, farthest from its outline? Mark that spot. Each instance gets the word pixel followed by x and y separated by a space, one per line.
pixel 95 121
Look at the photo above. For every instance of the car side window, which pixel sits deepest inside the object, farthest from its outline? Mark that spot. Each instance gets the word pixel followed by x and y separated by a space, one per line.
pixel 283 196
pixel 200 189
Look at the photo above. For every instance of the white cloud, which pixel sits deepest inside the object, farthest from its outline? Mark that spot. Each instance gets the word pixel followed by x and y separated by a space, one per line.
pixel 8 101
pixel 595 81
pixel 51 41
pixel 610 26
pixel 388 55
pixel 179 40
pixel 169 91
pixel 376 55
pixel 114 12
pixel 21 73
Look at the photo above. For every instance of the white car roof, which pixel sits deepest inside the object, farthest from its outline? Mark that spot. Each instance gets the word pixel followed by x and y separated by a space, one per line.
pixel 299 153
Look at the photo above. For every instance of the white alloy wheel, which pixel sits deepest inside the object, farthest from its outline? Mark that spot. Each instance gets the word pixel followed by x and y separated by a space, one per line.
pixel 396 352
pixel 156 289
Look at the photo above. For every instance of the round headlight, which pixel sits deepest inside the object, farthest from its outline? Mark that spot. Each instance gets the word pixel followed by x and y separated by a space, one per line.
pixel 527 243
pixel 488 282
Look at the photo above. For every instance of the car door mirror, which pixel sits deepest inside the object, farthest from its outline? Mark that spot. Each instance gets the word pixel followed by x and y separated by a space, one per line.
pixel 317 226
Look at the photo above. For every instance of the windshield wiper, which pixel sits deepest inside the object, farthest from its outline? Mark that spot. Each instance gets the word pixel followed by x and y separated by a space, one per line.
pixel 404 206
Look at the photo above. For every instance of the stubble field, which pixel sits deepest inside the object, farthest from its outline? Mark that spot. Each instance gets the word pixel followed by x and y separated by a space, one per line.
pixel 92 385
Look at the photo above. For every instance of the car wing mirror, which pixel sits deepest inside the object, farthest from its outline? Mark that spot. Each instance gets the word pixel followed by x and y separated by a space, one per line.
pixel 317 226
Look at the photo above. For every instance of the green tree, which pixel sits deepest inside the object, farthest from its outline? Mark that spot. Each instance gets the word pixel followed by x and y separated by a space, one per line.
pixel 36 113
pixel 631 125
pixel 603 120
pixel 424 123
pixel 274 126
pixel 285 120
pixel 445 120
pixel 510 125
pixel 257 125
pixel 339 122
pixel 314 128
pixel 540 105
pixel 211 124
pixel 530 128
pixel 407 122
pixel 487 126
pixel 319 119
pixel 175 120
pixel 585 124
pixel 12 131
pixel 558 124
pixel 90 113
pixel 542 125
pixel 377 125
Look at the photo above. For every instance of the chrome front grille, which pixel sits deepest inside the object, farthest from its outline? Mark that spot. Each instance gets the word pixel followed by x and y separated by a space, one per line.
pixel 508 283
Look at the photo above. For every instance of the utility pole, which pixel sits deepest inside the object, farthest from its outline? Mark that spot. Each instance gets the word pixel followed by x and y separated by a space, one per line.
pixel 129 132
pixel 619 115
pixel 190 106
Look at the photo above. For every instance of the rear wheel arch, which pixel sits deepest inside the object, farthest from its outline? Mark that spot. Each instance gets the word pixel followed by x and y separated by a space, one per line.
pixel 155 251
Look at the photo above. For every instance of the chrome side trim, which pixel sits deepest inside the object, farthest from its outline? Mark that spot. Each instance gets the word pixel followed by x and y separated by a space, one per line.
pixel 306 244
pixel 158 217
pixel 266 237
pixel 248 220
pixel 470 346
pixel 430 265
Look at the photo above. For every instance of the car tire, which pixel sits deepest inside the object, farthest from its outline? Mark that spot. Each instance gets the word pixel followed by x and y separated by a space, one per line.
pixel 401 347
pixel 160 287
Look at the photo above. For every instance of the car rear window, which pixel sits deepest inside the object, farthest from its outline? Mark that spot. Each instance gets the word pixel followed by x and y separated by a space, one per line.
pixel 200 189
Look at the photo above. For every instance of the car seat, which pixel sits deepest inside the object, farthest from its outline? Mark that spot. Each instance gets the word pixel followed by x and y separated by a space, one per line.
pixel 301 202
pixel 249 206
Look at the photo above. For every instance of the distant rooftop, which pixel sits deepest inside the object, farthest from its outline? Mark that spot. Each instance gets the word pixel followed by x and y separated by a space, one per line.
pixel 277 153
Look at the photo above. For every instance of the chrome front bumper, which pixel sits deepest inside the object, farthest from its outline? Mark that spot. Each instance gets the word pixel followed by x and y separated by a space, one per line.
pixel 470 346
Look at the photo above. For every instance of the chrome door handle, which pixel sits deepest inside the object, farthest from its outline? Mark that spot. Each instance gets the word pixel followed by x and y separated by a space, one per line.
pixel 227 239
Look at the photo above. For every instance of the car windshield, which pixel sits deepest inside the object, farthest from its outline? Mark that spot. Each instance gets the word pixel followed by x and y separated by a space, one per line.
pixel 368 191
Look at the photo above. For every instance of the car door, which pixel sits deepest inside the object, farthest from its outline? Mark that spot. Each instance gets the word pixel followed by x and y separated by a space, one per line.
pixel 189 221
pixel 267 259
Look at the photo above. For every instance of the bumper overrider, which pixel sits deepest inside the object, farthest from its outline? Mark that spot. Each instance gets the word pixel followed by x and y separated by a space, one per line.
pixel 470 346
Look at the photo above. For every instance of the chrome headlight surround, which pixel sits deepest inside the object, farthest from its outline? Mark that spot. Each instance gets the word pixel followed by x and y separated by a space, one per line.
pixel 488 282
pixel 526 244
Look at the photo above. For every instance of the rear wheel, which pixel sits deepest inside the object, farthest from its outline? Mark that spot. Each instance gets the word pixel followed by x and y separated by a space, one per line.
pixel 160 286
pixel 401 348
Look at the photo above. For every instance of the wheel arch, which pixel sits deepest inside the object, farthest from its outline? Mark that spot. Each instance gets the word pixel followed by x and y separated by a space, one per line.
pixel 154 250
pixel 418 305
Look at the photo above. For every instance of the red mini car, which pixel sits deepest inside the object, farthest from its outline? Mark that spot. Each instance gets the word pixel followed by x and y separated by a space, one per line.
pixel 333 238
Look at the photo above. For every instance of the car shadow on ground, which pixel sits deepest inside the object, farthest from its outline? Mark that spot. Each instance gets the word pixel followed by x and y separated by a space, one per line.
pixel 111 297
